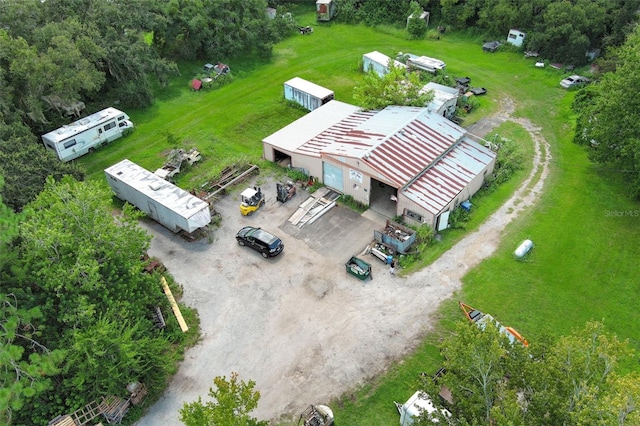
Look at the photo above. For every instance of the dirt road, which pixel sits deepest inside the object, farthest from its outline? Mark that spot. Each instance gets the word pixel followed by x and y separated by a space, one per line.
pixel 298 325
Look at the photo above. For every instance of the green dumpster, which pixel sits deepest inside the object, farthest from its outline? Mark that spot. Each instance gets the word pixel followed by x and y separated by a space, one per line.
pixel 358 268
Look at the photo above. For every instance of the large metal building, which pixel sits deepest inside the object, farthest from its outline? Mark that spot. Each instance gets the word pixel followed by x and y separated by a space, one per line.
pixel 412 159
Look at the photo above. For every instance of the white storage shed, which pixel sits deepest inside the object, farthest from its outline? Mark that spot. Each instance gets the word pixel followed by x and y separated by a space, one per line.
pixel 445 99
pixel 379 63
pixel 164 202
pixel 306 93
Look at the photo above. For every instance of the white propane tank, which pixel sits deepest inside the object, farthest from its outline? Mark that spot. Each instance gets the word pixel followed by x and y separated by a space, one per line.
pixel 523 248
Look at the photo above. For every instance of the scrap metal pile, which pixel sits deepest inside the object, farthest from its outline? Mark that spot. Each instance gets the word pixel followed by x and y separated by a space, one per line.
pixel 175 161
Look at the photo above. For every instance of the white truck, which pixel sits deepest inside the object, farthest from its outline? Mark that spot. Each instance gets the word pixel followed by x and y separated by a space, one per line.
pixel 87 134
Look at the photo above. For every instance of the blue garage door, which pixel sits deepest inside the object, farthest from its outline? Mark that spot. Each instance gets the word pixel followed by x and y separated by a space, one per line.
pixel 332 176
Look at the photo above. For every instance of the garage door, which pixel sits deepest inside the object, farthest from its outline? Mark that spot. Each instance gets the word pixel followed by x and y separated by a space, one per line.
pixel 332 176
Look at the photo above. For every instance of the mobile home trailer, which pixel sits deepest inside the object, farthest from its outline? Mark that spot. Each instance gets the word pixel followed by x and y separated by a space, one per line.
pixel 379 63
pixel 306 93
pixel 87 134
pixel 174 208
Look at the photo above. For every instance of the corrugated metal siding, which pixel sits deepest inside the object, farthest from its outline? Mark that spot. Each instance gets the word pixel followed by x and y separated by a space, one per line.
pixel 447 178
pixel 343 138
pixel 414 147
pixel 403 146
pixel 309 126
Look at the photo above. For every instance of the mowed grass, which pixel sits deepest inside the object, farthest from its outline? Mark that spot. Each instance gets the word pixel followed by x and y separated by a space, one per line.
pixel 585 230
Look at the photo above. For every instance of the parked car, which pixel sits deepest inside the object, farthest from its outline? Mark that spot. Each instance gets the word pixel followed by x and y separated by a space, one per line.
pixel 260 240
pixel 574 81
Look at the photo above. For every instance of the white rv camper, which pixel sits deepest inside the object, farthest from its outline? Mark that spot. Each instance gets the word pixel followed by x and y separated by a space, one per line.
pixel 164 202
pixel 87 134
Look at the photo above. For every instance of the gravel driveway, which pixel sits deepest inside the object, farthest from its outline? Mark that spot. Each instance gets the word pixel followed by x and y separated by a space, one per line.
pixel 298 325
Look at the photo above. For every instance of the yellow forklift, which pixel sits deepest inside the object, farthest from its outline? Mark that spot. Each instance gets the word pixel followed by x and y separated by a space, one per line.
pixel 251 200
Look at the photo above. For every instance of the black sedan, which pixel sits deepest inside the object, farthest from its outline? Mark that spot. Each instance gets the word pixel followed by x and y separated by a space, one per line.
pixel 260 240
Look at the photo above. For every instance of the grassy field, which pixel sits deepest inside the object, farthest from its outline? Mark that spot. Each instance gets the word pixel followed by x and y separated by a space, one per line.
pixel 585 230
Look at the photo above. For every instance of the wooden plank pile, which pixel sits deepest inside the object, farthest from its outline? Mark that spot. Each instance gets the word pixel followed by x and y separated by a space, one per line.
pixel 314 207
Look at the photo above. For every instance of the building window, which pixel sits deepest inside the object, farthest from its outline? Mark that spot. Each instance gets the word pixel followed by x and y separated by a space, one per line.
pixel 69 144
pixel 413 215
pixel 109 126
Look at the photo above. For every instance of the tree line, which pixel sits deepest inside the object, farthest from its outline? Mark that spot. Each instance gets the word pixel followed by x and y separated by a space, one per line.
pixel 559 30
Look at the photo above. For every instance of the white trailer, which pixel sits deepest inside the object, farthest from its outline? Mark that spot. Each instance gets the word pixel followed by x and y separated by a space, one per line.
pixel 306 93
pixel 425 63
pixel 164 202
pixel 87 134
pixel 379 63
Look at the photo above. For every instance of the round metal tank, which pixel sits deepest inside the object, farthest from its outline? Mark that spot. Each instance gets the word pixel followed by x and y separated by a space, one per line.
pixel 523 248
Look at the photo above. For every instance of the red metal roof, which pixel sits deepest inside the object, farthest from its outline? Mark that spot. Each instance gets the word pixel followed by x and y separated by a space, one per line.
pixel 426 155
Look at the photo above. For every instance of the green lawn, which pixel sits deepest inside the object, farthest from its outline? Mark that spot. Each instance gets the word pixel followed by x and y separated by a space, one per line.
pixel 583 266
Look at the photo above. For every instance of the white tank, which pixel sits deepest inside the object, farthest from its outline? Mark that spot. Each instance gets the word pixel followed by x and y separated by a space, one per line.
pixel 523 248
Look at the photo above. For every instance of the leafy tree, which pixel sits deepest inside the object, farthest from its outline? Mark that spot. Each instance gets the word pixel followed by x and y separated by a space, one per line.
pixel 608 126
pixel 83 260
pixel 26 165
pixel 372 12
pixel 459 14
pixel 620 18
pixel 234 400
pixel 349 12
pixel 397 87
pixel 105 357
pixel 8 222
pixel 509 159
pixel 64 52
pixel 476 363
pixel 497 16
pixel 25 364
pixel 416 27
pixel 569 381
pixel 214 29
pixel 80 264
pixel 560 35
